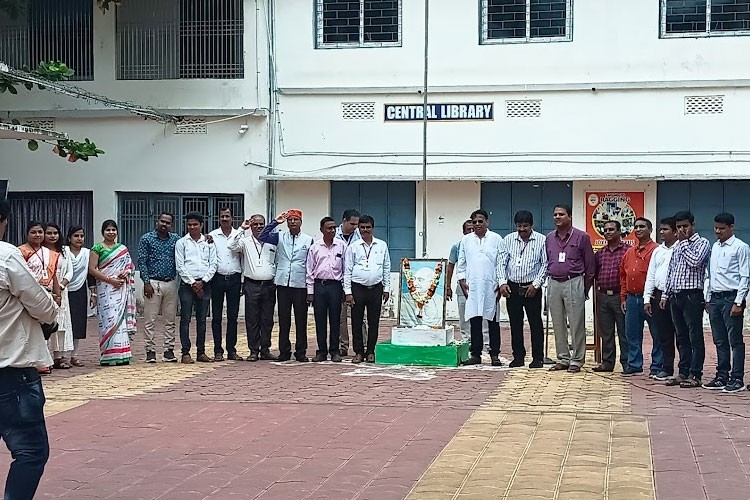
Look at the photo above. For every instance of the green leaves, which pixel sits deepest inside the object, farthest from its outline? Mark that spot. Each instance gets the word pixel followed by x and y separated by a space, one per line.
pixel 76 150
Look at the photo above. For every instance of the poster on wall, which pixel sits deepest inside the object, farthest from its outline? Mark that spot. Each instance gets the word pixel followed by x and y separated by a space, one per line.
pixel 605 206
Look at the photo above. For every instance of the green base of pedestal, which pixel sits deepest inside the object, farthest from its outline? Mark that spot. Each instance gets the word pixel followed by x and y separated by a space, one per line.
pixel 450 355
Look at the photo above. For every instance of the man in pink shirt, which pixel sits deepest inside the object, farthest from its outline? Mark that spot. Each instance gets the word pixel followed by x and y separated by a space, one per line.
pixel 325 270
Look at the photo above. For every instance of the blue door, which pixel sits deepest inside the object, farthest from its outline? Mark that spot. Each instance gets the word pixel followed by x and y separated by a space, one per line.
pixel 705 199
pixel 503 199
pixel 393 205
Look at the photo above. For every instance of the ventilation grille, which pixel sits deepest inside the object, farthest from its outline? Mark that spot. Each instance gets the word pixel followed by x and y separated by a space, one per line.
pixel 526 108
pixel 358 110
pixel 42 123
pixel 191 126
pixel 704 105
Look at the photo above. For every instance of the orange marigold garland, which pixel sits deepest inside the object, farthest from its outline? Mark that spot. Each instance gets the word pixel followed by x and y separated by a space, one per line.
pixel 421 298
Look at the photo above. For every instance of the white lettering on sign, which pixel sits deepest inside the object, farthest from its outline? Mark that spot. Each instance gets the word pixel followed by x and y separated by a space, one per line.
pixel 438 112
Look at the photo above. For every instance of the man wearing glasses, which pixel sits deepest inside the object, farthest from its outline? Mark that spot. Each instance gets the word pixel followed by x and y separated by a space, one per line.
pixel 633 282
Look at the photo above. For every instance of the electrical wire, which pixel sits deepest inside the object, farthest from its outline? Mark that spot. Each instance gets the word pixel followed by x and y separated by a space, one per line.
pixel 79 93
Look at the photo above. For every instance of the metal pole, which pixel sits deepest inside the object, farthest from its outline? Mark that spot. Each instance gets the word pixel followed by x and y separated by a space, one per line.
pixel 424 128
pixel 547 360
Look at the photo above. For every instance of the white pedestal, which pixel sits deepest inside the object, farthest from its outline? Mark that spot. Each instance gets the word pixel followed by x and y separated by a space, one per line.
pixel 422 337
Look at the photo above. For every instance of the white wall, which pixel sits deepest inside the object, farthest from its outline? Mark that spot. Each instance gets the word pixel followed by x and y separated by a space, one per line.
pixel 144 156
pixel 172 95
pixel 612 42
pixel 313 198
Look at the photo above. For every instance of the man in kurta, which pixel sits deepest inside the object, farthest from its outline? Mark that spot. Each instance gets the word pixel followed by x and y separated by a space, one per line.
pixel 571 268
pixel 477 276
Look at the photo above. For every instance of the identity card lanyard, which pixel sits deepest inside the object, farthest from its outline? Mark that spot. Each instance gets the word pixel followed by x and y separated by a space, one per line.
pixel 368 251
pixel 561 256
pixel 44 266
pixel 520 255
pixel 259 250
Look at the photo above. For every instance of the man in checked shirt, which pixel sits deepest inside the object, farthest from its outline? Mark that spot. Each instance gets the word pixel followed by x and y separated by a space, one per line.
pixel 684 295
pixel 608 310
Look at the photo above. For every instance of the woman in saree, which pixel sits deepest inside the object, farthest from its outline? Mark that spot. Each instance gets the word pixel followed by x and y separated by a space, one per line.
pixel 78 291
pixel 43 264
pixel 61 342
pixel 111 265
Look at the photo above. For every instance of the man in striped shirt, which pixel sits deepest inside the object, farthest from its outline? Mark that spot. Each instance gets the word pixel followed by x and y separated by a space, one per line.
pixel 684 294
pixel 521 270
pixel 609 313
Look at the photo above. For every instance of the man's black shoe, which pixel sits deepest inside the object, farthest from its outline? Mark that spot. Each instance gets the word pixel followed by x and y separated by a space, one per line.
pixel 516 363
pixel 473 360
pixel 284 357
pixel 536 364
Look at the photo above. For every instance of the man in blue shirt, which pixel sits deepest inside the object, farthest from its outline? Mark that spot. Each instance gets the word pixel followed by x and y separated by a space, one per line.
pixel 291 286
pixel 158 272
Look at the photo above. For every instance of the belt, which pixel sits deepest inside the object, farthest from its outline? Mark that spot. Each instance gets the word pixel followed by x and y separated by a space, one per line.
pixel 513 283
pixel 165 280
pixel 259 282
pixel 689 291
pixel 609 291
pixel 635 294
pixel 319 281
pixel 563 279
pixel 727 293
pixel 227 276
pixel 368 287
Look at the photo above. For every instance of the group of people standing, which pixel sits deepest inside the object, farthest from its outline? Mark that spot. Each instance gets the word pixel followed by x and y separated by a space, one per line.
pixel 78 278
pixel 346 269
pixel 666 286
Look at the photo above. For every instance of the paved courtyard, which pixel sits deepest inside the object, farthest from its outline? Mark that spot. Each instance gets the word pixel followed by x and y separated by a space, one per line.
pixel 271 430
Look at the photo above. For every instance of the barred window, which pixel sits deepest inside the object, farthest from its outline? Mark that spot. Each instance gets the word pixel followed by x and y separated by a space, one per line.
pixel 50 30
pixel 358 23
pixel 179 39
pixel 514 21
pixel 693 18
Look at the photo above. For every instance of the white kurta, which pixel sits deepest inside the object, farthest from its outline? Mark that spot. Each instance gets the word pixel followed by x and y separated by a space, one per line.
pixel 477 264
pixel 62 339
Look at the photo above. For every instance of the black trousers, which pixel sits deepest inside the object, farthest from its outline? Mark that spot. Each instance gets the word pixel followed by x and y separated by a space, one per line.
pixel 517 303
pixel 260 300
pixel 370 298
pixel 477 337
pixel 665 326
pixel 327 308
pixel 292 298
pixel 228 286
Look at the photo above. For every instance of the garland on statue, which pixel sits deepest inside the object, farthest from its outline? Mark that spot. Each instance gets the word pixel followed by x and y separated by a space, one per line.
pixel 421 298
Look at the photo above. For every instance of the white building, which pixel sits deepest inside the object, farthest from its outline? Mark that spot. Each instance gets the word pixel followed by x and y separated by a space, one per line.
pixel 642 96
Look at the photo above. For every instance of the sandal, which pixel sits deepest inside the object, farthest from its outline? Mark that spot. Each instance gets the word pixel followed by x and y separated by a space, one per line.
pixel 61 364
pixel 76 362
pixel 690 383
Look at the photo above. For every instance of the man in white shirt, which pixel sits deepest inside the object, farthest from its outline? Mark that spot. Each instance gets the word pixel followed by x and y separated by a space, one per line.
pixel 258 269
pixel 23 349
pixel 367 282
pixel 656 282
pixel 521 271
pixel 196 263
pixel 726 291
pixel 477 275
pixel 348 231
pixel 227 282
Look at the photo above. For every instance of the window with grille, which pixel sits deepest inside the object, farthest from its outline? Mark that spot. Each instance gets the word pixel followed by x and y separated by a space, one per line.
pixel 358 23
pixel 50 30
pixel 358 110
pixel 524 108
pixel 691 18
pixel 138 212
pixel 519 21
pixel 172 39
pixel 704 105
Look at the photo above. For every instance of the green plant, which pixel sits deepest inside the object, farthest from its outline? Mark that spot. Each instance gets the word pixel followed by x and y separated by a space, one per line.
pixel 76 150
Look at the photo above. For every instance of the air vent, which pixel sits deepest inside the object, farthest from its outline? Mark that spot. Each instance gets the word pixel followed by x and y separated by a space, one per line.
pixel 704 105
pixel 191 126
pixel 358 110
pixel 526 108
pixel 42 123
